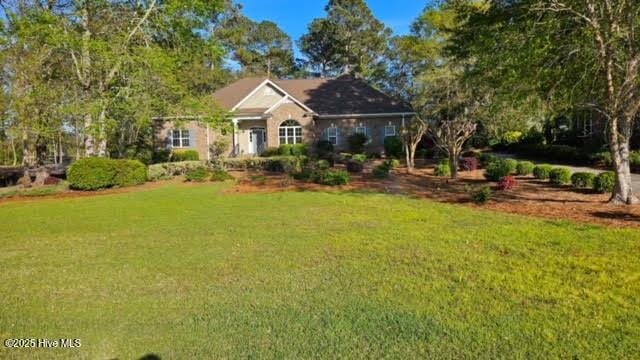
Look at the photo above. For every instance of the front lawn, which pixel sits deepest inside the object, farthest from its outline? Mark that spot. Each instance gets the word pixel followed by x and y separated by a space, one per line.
pixel 185 271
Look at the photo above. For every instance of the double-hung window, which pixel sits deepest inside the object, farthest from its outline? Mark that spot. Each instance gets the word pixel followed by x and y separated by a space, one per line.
pixel 332 135
pixel 290 132
pixel 390 130
pixel 180 138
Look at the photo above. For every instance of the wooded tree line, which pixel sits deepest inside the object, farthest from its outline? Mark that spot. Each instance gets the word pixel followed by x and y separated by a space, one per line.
pixel 86 77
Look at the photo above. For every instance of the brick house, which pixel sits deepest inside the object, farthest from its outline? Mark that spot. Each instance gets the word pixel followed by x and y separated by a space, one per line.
pixel 267 113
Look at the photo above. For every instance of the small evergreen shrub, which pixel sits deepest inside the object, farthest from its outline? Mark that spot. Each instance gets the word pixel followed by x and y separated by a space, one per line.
pixel 560 176
pixel 220 175
pixel 582 180
pixel 443 168
pixel 381 171
pixel 271 151
pixel 512 164
pixel 299 150
pixel 468 164
pixel 497 169
pixel 601 159
pixel 507 183
pixel 161 156
pixel 323 164
pixel 343 157
pixel 336 177
pixel 524 168
pixel 485 159
pixel 357 142
pixel 392 163
pixel 199 174
pixel 91 173
pixel 354 166
pixel 285 150
pixel 324 147
pixel 185 155
pixel 373 155
pixel 393 146
pixel 481 195
pixel 605 182
pixel 359 157
pixel 542 171
pixel 129 173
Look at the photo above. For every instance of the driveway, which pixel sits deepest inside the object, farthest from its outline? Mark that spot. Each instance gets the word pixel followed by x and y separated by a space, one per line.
pixel 635 178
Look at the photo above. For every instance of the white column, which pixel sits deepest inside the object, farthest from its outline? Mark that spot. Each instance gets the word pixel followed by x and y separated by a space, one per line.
pixel 235 137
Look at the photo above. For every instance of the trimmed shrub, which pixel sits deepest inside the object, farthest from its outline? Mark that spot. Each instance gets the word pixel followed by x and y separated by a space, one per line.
pixel 354 166
pixel 481 195
pixel 468 164
pixel 169 170
pixel 507 183
pixel 485 159
pixel 185 155
pixel 343 157
pixel 442 169
pixel 393 146
pixel 129 173
pixel 525 168
pixel 336 177
pixel 605 182
pixel 512 163
pixel 373 155
pixel 357 142
pixel 392 163
pixel 542 171
pixel 271 151
pixel 560 175
pixel 91 173
pixel 381 171
pixel 497 169
pixel 288 164
pixel 323 164
pixel 324 147
pixel 220 175
pixel 601 159
pixel 161 156
pixel 582 180
pixel 359 157
pixel 285 150
pixel 299 150
pixel 634 160
pixel 199 174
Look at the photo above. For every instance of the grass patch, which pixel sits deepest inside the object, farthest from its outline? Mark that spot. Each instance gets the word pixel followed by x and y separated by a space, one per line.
pixel 188 272
pixel 33 192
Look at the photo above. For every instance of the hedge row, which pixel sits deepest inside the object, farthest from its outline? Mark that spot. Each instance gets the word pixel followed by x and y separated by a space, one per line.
pixel 99 173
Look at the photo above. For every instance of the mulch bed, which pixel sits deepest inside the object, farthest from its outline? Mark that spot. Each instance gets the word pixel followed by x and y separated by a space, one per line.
pixel 531 197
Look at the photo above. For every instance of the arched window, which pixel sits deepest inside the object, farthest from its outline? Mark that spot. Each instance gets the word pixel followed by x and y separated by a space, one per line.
pixel 290 132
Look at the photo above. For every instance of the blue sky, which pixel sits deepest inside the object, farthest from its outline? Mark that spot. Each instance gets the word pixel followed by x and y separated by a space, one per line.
pixel 293 16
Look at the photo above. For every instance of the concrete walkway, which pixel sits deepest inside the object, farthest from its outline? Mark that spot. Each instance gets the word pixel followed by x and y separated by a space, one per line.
pixel 635 178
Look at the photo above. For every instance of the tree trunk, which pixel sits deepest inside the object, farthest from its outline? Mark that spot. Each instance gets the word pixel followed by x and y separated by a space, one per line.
pixel 453 164
pixel 410 156
pixel 623 191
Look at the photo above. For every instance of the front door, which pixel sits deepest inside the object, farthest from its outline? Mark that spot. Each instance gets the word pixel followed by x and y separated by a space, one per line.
pixel 256 140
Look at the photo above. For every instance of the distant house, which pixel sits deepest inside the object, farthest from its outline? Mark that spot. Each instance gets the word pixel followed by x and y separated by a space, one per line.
pixel 268 113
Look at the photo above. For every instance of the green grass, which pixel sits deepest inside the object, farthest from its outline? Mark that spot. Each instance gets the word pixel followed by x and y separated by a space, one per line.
pixel 6 193
pixel 188 272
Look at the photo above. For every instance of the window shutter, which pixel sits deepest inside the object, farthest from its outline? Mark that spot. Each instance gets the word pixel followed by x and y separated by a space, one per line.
pixel 169 139
pixel 337 136
pixel 325 134
pixel 192 138
pixel 369 133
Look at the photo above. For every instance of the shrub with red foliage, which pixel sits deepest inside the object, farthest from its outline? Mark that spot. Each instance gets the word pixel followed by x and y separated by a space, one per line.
pixel 51 180
pixel 468 164
pixel 507 183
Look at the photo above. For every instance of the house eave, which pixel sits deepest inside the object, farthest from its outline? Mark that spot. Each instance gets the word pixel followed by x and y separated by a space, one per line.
pixel 361 115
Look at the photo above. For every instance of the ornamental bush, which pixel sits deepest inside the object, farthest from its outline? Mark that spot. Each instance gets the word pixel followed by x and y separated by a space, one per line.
pixel 507 183
pixel 525 168
pixel 324 147
pixel 199 174
pixel 512 164
pixel 393 146
pixel 497 169
pixel 357 142
pixel 605 182
pixel 442 169
pixel 392 163
pixel 323 164
pixel 560 176
pixel 582 180
pixel 481 195
pixel 285 150
pixel 220 175
pixel 91 173
pixel 354 166
pixel 468 164
pixel 359 157
pixel 381 171
pixel 542 171
pixel 299 150
pixel 485 159
pixel 129 173
pixel 336 177
pixel 185 155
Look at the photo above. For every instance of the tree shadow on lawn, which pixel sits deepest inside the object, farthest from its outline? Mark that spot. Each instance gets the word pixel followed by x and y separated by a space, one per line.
pixel 617 215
